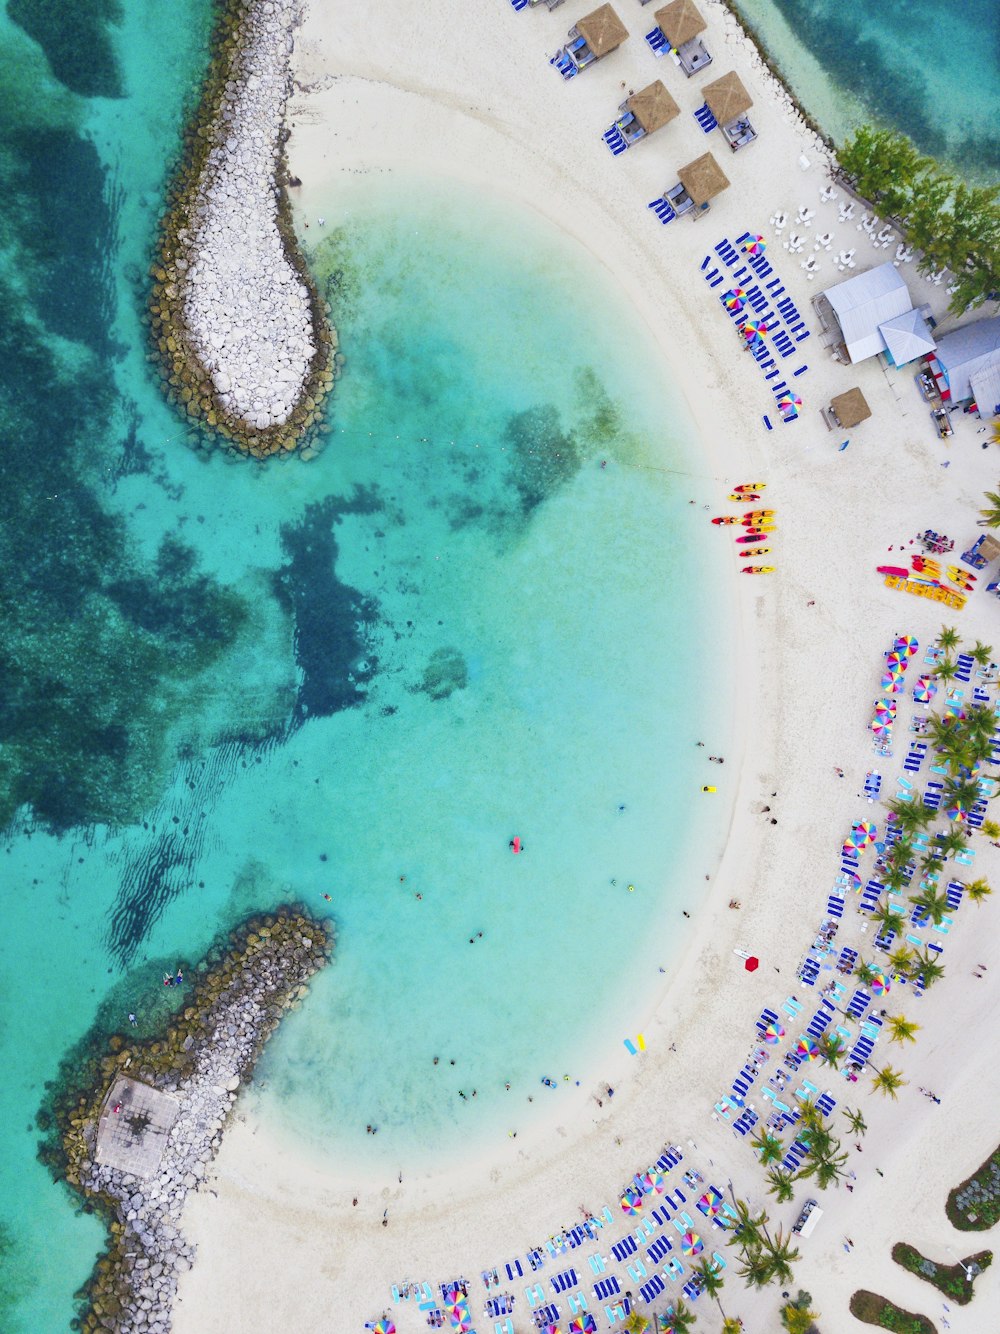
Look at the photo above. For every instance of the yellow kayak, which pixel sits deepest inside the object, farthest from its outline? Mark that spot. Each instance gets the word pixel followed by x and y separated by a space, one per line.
pixel 758 569
pixel 750 486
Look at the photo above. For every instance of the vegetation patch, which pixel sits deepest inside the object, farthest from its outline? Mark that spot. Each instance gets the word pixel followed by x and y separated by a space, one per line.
pixel 974 1206
pixel 955 1281
pixel 871 1309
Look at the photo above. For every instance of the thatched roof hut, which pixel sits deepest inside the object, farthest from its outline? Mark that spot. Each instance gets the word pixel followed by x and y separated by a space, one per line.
pixel 679 22
pixel 727 98
pixel 850 408
pixel 602 30
pixel 653 106
pixel 703 179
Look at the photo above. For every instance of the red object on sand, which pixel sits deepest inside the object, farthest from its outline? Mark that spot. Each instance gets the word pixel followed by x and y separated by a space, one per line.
pixel 899 570
pixel 751 964
pixel 515 843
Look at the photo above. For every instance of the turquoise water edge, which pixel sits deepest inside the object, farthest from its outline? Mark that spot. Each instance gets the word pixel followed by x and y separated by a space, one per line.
pixel 487 609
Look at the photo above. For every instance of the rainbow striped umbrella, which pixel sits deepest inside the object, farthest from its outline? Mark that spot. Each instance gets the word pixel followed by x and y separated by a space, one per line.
pixel 754 245
pixel 892 682
pixel 905 644
pixel 692 1244
pixel 735 299
pixel 631 1202
pixel 383 1327
pixel 583 1324
pixel 957 812
pixel 752 328
pixel 773 1033
pixel 807 1048
pixel 789 401
pixel 925 690
pixel 879 984
pixel 862 833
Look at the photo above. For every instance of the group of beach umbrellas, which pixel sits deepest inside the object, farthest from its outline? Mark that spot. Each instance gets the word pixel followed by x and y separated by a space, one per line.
pixel 646 1184
pixel 896 662
pixel 883 719
pixel 863 834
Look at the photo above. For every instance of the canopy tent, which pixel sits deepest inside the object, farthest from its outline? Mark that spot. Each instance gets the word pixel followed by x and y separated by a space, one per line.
pixel 971 351
pixel 602 30
pixel 653 106
pixel 727 98
pixel 679 22
pixel 985 385
pixel 907 337
pixel 850 408
pixel 863 303
pixel 703 179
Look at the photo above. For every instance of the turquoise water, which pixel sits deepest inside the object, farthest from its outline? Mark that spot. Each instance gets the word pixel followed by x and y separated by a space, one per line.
pixel 486 609
pixel 929 67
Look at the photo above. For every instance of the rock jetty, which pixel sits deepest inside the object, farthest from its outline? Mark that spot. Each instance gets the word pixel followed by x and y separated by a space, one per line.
pixel 206 1051
pixel 241 335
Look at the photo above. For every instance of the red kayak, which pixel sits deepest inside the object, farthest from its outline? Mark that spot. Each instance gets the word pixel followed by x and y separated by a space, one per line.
pixel 726 518
pixel 753 537
pixel 750 486
pixel 899 571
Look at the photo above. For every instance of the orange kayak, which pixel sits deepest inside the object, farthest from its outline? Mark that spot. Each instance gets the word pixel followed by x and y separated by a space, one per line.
pixel 758 569
pixel 744 487
pixel 725 518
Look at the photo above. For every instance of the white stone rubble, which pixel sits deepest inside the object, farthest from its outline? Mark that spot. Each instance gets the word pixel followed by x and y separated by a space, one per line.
pixel 246 310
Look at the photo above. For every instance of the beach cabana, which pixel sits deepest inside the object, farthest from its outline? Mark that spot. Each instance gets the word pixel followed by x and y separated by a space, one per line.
pixel 595 36
pixel 700 181
pixel 907 337
pixel 646 111
pixel 849 409
pixel 682 26
pixel 728 101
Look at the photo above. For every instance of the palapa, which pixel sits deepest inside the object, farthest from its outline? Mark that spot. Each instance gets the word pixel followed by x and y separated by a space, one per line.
pixel 703 179
pixel 602 30
pixel 653 106
pixel 679 22
pixel 727 98
pixel 990 548
pixel 850 408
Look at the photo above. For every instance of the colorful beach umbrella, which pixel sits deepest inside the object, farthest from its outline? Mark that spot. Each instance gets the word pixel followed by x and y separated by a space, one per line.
pixel 924 690
pixel 653 1181
pixel 383 1327
pixel 956 812
pixel 754 245
pixel 773 1033
pixel 752 327
pixel 905 644
pixel 631 1202
pixel 583 1324
pixel 789 401
pixel 892 682
pixel 879 984
pixel 735 299
pixel 862 833
pixel 806 1048
pixel 692 1244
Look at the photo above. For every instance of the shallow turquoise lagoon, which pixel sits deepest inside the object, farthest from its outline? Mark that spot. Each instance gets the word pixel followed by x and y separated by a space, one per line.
pixel 930 69
pixel 486 609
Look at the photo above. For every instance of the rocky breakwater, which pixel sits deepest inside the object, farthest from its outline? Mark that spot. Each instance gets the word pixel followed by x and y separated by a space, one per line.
pixel 243 340
pixel 195 1068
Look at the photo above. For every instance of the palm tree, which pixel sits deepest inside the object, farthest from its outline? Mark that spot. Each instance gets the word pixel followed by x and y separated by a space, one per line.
pixel 949 638
pixel 770 1147
pixel 901 959
pixel 902 1029
pixel 780 1256
pixel 911 816
pixel 978 891
pixel 945 669
pixel 798 1319
pixel 755 1269
pixel 900 854
pixel 927 969
pixel 888 1081
pixel 831 1049
pixel 748 1229
pixel 991 515
pixel 888 917
pixel 951 842
pixel 637 1323
pixel 731 1325
pixel 856 1121
pixel 958 793
pixel 779 1184
pixel 933 904
pixel 681 1316
pixel 710 1278
pixel 866 973
pixel 983 653
pixel 830 1169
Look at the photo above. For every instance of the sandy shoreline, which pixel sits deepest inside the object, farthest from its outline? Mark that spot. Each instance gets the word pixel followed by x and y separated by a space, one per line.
pixel 280 1246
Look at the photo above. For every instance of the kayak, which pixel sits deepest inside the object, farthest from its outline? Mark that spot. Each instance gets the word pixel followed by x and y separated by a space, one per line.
pixel 748 495
pixel 744 487
pixel 759 525
pixel 725 518
pixel 959 576
pixel 762 551
pixel 753 537
pixel 899 571
pixel 758 569
pixel 759 514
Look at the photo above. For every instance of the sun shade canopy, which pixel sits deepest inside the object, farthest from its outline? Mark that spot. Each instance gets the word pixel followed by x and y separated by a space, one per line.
pixel 653 106
pixel 703 179
pixel 602 30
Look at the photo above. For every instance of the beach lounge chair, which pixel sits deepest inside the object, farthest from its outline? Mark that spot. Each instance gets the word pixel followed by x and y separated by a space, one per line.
pixel 577 1302
pixel 598 1263
pixel 564 1281
pixel 859 1003
pixel 673 1269
pixel 636 1270
pixel 663 209
pixel 505 1326
pixel 625 1247
pixel 535 1295
pixel 649 1292
pixel 705 119
pixel 607 1287
pixel 659 1249
pixel 963 666
pixel 657 43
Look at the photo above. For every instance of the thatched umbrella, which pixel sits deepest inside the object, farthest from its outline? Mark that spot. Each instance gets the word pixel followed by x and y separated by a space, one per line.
pixel 990 548
pixel 679 22
pixel 653 106
pixel 602 30
pixel 850 408
pixel 703 179
pixel 727 98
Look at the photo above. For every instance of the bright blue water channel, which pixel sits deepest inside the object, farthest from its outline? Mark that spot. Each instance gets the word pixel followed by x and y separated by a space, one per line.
pixel 487 609
pixel 928 67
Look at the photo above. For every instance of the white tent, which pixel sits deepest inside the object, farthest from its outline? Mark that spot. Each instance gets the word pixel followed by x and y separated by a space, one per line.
pixel 907 337
pixel 966 353
pixel 864 302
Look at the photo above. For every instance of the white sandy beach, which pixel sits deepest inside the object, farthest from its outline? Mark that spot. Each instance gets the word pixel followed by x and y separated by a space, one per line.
pixel 465 90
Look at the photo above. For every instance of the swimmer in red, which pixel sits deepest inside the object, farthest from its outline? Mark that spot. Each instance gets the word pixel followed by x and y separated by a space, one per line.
pixel 515 844
pixel 328 899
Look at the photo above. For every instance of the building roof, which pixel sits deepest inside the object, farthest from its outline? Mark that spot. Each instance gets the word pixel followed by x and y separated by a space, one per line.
pixel 653 106
pixel 703 179
pixel 727 98
pixel 989 547
pixel 679 22
pixel 602 30
pixel 864 302
pixel 907 337
pixel 985 383
pixel 965 353
pixel 850 408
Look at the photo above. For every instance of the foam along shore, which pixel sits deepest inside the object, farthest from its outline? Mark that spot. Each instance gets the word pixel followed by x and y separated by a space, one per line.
pixel 480 103
pixel 238 324
pixel 139 1138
